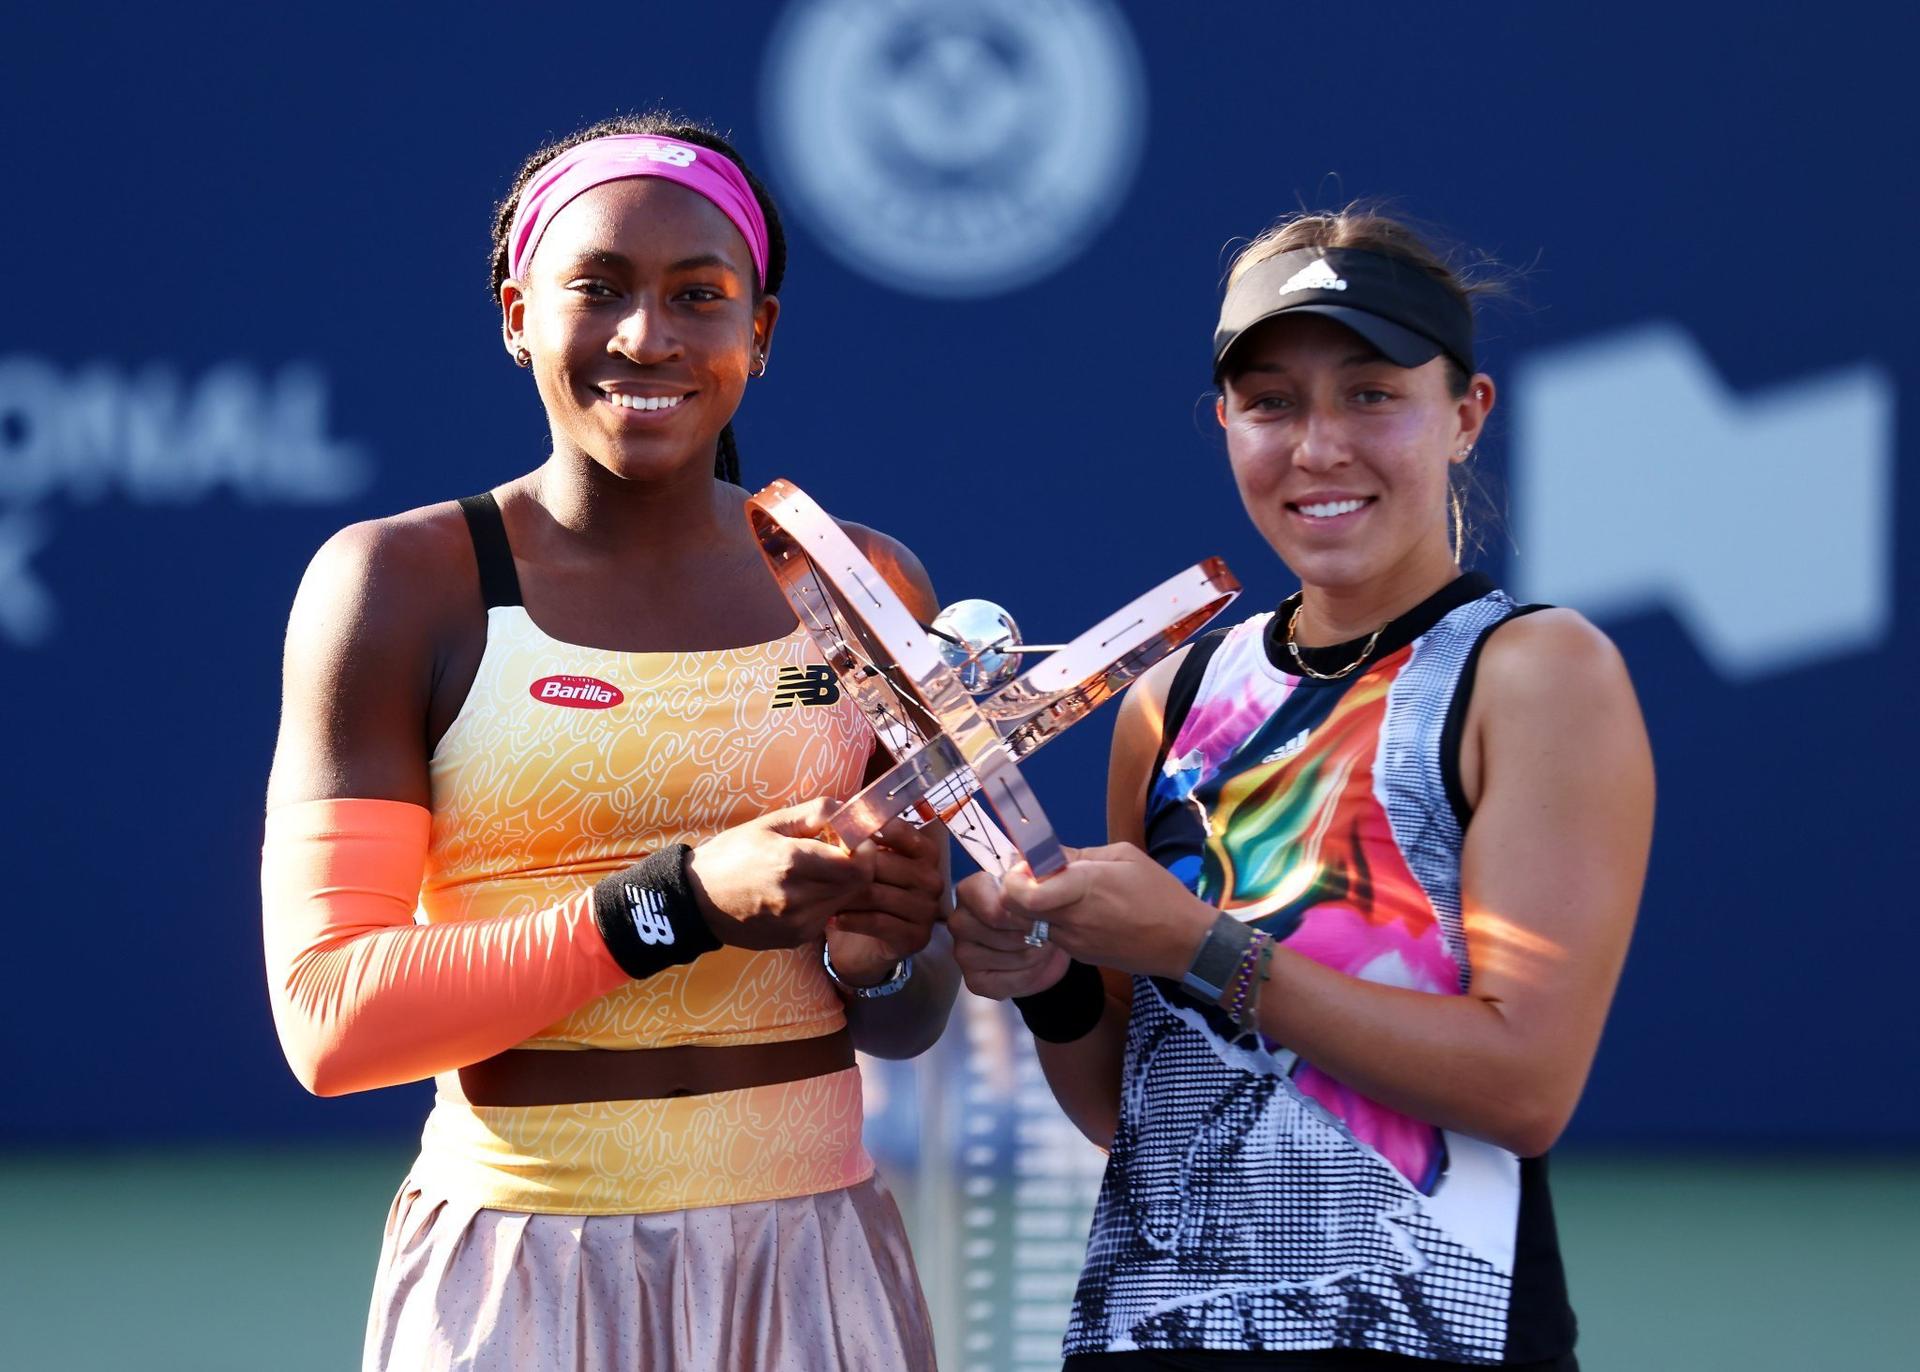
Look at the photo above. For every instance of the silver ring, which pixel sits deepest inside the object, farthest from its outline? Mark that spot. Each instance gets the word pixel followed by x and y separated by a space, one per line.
pixel 1037 936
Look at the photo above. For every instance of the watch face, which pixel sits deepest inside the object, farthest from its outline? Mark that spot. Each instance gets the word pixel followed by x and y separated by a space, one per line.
pixel 902 970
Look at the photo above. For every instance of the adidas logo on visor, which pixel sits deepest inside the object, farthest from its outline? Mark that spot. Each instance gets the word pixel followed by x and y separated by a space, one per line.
pixel 1316 276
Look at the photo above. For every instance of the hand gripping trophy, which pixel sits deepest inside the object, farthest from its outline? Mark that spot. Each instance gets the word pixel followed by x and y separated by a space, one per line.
pixel 948 699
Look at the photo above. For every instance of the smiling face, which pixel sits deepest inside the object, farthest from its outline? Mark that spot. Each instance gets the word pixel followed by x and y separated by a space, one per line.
pixel 642 318
pixel 1342 457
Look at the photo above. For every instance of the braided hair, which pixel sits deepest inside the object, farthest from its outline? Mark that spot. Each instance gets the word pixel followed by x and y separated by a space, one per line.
pixel 659 124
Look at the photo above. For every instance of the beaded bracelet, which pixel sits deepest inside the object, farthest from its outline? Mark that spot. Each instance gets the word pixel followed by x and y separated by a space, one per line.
pixel 1265 971
pixel 1243 1002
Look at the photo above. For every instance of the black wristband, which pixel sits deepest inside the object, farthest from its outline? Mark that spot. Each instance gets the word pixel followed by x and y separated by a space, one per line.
pixel 649 916
pixel 1069 1009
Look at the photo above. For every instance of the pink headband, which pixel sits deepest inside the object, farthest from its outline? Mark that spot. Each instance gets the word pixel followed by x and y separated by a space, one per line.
pixel 623 155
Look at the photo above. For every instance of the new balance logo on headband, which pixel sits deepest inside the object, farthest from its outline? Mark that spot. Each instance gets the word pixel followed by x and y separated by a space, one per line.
pixel 1315 276
pixel 673 154
pixel 649 912
pixel 805 686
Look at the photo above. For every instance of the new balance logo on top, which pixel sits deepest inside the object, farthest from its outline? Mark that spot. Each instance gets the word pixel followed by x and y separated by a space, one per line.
pixel 805 686
pixel 1291 748
pixel 1315 276
pixel 649 912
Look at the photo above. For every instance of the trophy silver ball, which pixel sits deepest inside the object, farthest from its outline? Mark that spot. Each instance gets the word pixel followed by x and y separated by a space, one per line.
pixel 950 701
pixel 980 642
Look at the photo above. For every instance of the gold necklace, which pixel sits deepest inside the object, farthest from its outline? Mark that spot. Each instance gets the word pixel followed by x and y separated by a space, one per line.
pixel 1293 648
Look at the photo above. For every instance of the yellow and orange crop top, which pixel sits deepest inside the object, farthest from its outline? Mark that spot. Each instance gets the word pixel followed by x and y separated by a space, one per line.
pixel 566 763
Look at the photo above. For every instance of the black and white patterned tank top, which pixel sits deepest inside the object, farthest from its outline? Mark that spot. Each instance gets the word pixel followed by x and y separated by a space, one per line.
pixel 1252 1202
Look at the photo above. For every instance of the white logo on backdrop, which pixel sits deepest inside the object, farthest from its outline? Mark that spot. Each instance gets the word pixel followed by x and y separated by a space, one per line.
pixel 954 148
pixel 1764 522
pixel 154 438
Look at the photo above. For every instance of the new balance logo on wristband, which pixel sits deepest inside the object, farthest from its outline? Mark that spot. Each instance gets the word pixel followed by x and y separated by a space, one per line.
pixel 649 916
pixel 805 686
pixel 648 910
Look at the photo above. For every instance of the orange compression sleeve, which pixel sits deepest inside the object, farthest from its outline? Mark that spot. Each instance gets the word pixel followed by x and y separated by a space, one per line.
pixel 364 997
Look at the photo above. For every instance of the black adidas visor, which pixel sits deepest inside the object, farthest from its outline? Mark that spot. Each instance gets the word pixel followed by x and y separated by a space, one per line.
pixel 1398 307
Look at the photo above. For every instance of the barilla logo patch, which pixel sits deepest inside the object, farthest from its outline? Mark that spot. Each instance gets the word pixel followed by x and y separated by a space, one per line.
pixel 579 692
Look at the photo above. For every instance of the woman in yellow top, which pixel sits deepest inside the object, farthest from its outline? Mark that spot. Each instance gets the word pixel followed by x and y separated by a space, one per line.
pixel 585 887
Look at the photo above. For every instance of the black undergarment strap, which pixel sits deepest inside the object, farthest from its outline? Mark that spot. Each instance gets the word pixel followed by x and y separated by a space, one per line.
pixel 1182 690
pixel 499 583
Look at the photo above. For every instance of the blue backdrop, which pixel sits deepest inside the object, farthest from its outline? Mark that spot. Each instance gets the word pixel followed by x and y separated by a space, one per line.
pixel 247 304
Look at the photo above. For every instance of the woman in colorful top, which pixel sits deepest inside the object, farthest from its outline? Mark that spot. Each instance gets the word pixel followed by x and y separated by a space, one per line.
pixel 637 971
pixel 1376 858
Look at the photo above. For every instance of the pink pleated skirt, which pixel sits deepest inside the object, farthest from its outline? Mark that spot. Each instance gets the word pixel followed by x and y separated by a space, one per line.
pixel 815 1282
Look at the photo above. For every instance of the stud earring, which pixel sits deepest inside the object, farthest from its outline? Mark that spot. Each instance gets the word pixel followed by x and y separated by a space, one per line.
pixel 523 357
pixel 1464 453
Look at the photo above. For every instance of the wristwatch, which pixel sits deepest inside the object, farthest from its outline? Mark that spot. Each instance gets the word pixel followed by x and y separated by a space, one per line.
pixel 1220 953
pixel 902 973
